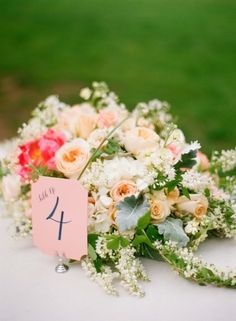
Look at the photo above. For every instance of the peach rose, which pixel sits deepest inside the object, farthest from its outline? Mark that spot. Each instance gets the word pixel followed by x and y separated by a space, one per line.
pixel 107 118
pixel 203 161
pixel 80 120
pixel 196 205
pixel 72 157
pixel 140 140
pixel 112 214
pixel 160 209
pixel 173 196
pixel 123 189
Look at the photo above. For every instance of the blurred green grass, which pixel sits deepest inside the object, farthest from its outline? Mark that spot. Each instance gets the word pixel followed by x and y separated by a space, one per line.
pixel 182 51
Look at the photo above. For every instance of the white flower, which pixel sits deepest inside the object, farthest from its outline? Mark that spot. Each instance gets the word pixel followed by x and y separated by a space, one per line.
pixel 141 184
pixel 192 227
pixel 123 168
pixel 99 222
pixel 85 93
pixel 196 181
pixel 226 160
pixel 72 157
pixel 106 201
pixel 11 187
pixel 192 146
pixel 161 157
pixel 7 148
pixel 32 130
pixel 54 103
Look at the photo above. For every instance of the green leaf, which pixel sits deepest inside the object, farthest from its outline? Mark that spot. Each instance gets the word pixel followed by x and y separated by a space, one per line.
pixel 130 210
pixel 152 233
pixel 187 160
pixel 113 244
pixel 142 239
pixel 115 241
pixel 185 192
pixel 144 221
pixel 112 147
pixel 124 242
pixel 91 252
pixel 92 239
pixel 146 251
pixel 207 192
pixel 98 264
pixel 25 189
pixel 172 229
pixel 3 171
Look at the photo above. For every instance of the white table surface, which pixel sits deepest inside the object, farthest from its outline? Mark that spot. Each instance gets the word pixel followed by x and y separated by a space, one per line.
pixel 30 290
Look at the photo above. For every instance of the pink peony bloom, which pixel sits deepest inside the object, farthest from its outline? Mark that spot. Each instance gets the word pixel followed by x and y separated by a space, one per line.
pixel 49 143
pixel 40 152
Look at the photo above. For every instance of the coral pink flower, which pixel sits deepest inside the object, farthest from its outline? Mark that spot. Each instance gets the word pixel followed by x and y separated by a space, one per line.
pixel 49 143
pixel 39 152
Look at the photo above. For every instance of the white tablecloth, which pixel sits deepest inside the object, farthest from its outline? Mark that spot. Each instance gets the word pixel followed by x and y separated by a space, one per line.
pixel 30 290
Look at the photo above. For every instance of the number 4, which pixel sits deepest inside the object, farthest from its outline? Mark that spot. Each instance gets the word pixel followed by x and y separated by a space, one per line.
pixel 61 222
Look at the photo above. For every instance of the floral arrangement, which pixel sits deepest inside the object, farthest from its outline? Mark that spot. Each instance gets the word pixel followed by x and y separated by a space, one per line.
pixel 151 194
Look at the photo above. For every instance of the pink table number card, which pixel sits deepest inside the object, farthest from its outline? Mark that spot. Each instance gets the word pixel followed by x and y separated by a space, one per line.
pixel 59 217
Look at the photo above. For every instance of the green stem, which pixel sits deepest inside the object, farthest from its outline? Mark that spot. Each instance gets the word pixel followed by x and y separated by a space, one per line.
pixel 100 146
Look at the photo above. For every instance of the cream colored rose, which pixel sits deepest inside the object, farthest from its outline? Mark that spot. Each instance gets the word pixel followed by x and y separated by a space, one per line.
pixel 140 140
pixel 196 205
pixel 11 187
pixel 79 120
pixel 86 120
pixel 72 157
pixel 67 120
pixel 160 209
pixel 123 189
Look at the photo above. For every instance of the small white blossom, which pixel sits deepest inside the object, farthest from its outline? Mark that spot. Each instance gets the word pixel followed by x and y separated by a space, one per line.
pixel 226 159
pixel 85 93
pixel 195 181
